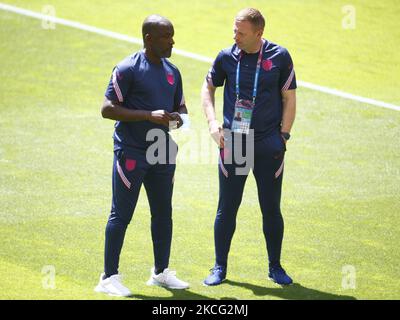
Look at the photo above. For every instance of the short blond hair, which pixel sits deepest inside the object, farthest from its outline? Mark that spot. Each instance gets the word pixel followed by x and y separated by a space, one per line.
pixel 253 16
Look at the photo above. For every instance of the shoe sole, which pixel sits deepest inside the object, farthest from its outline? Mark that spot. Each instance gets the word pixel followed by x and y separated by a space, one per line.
pixel 213 285
pixel 151 282
pixel 281 284
pixel 101 289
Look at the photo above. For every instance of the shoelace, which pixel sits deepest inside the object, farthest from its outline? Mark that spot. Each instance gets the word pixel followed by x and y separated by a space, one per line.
pixel 118 282
pixel 170 274
pixel 117 277
pixel 279 270
pixel 216 269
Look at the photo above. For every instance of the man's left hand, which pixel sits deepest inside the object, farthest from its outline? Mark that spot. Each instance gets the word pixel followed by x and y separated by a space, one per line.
pixel 284 140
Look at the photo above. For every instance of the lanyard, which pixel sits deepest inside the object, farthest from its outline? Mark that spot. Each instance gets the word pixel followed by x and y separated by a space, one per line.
pixel 256 76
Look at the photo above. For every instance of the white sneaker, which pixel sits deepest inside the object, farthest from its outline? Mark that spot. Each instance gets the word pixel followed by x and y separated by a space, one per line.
pixel 113 286
pixel 166 279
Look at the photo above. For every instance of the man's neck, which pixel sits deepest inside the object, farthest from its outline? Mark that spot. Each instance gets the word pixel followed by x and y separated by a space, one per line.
pixel 151 56
pixel 256 48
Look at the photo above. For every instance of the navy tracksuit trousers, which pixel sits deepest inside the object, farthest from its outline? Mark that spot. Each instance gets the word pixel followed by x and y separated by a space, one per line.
pixel 268 170
pixel 130 171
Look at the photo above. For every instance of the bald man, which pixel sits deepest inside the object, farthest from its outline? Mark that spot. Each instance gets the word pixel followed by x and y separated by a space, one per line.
pixel 145 98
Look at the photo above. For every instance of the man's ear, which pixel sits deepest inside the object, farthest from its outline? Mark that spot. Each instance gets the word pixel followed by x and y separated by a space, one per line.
pixel 147 38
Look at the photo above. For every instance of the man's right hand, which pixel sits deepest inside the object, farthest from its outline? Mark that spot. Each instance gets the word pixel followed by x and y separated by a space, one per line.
pixel 161 117
pixel 217 133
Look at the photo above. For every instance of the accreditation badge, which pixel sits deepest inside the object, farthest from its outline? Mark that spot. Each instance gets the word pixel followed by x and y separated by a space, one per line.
pixel 242 117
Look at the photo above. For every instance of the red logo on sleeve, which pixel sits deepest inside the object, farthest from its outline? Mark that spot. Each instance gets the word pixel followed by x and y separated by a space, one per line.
pixel 170 78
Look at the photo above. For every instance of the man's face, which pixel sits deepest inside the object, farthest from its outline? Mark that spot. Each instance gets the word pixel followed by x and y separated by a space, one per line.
pixel 162 40
pixel 245 35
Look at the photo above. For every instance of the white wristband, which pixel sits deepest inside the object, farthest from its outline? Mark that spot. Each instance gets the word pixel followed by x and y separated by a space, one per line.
pixel 186 120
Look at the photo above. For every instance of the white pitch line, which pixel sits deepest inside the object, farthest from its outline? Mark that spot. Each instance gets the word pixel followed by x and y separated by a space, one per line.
pixel 346 95
pixel 194 56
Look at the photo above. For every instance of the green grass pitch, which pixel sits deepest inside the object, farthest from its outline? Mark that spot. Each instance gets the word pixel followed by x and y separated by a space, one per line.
pixel 341 200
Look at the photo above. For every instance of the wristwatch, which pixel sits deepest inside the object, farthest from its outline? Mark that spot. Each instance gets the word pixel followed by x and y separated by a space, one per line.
pixel 285 135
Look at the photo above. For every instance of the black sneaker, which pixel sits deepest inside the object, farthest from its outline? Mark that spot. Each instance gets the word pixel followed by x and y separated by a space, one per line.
pixel 217 275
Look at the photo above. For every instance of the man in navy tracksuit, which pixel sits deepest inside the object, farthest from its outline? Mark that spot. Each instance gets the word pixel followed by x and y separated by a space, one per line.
pixel 144 96
pixel 259 85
